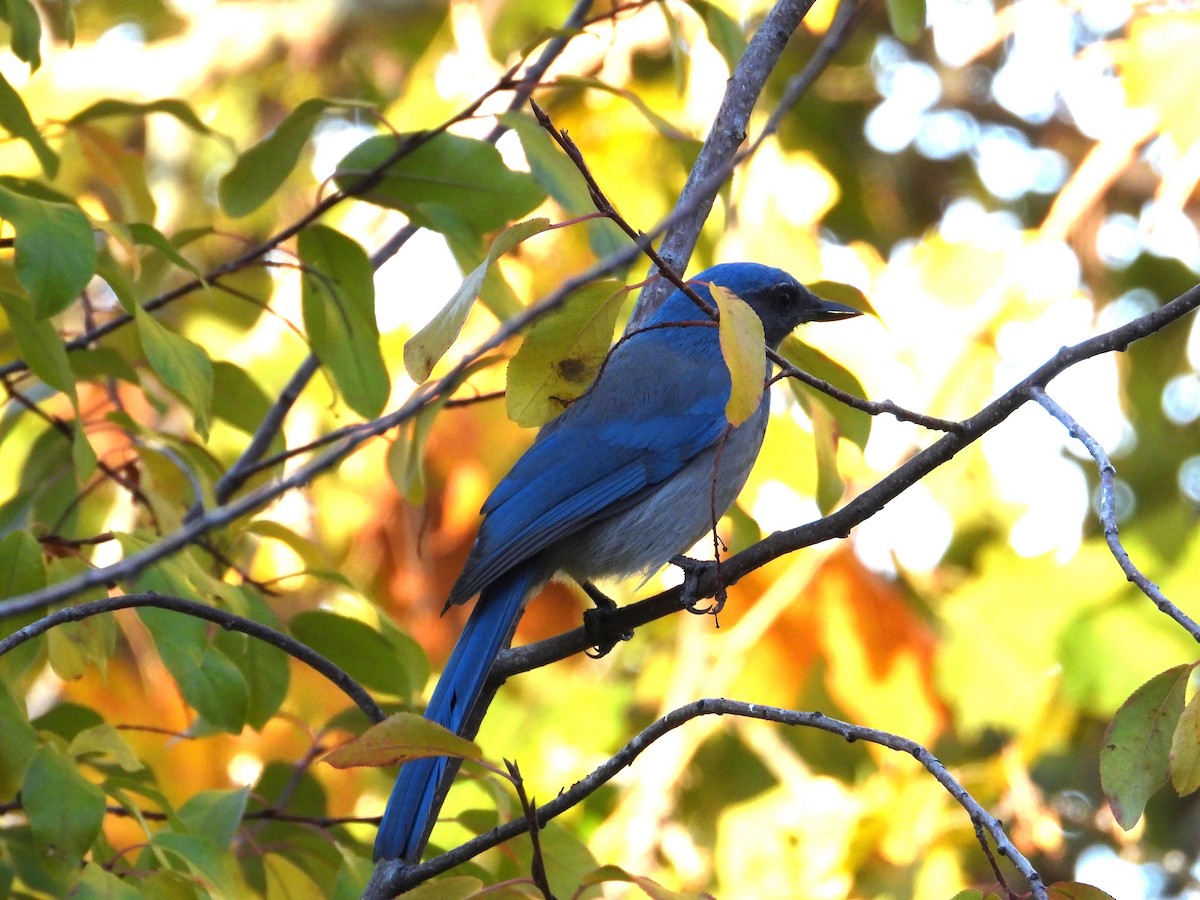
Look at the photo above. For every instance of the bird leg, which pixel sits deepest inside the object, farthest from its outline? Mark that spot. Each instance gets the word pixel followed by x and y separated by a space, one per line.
pixel 691 598
pixel 598 622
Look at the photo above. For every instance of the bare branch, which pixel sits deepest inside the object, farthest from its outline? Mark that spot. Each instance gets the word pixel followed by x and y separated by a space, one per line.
pixel 392 877
pixel 719 155
pixel 1108 514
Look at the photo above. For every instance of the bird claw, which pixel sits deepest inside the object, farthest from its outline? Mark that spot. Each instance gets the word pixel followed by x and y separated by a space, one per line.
pixel 690 599
pixel 598 623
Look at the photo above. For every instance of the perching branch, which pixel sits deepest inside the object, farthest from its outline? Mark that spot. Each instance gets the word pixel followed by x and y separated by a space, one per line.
pixel 838 524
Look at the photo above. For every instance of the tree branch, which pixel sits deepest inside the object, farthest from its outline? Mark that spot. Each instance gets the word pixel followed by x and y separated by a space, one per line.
pixel 860 508
pixel 227 620
pixel 719 155
pixel 392 877
pixel 1108 514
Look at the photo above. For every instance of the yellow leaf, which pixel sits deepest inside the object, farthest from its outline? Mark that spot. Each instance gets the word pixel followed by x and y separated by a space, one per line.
pixel 459 887
pixel 562 353
pixel 286 880
pixel 742 346
pixel 397 739
pixel 1160 68
pixel 1185 750
pixel 423 350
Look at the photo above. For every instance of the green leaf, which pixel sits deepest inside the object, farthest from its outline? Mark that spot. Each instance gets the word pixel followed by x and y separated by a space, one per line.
pixel 65 810
pixel 215 815
pixel 97 883
pixel 724 33
pixel 15 119
pixel 179 109
pixel 238 399
pixel 150 236
pixel 286 879
pixel 423 350
pixel 25 31
pixel 212 867
pixel 39 344
pixel 559 177
pixel 907 18
pixel 339 315
pixel 21 568
pixel 1135 760
pixel 56 256
pixel 182 365
pixel 105 741
pixel 263 666
pixel 365 654
pixel 744 350
pixel 840 292
pixel 260 171
pixel 1185 750
pixel 830 486
pixel 309 551
pixel 562 353
pixel 83 457
pixel 1069 890
pixel 652 888
pixel 406 454
pixel 853 424
pixel 18 743
pixel 100 364
pixel 67 719
pixel 210 683
pixel 464 174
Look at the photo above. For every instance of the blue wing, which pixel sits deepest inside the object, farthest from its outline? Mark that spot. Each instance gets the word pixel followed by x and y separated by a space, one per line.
pixel 623 437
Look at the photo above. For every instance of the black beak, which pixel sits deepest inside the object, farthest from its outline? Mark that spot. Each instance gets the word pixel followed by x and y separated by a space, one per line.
pixel 828 311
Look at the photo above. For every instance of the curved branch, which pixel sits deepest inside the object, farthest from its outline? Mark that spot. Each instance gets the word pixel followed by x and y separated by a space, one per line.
pixel 227 620
pixel 392 877
pixel 1108 515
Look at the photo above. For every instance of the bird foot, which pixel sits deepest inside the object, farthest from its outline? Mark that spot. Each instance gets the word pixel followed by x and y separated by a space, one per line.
pixel 602 629
pixel 691 599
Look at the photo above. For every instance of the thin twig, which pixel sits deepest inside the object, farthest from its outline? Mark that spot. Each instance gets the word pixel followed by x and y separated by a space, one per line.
pixel 537 863
pixel 1108 514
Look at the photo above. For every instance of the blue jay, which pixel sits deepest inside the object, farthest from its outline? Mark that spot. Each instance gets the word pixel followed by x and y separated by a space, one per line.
pixel 621 482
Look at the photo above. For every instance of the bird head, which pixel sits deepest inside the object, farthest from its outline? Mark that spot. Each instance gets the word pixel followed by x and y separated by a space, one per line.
pixel 780 300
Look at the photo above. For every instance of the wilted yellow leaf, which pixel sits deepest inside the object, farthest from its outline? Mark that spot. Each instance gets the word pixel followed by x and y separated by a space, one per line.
pixel 562 354
pixel 399 738
pixel 742 346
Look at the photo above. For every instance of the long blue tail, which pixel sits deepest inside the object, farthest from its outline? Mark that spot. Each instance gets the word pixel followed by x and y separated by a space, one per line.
pixel 402 831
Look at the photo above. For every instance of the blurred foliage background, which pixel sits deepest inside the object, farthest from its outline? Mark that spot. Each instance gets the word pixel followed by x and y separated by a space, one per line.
pixel 1017 177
